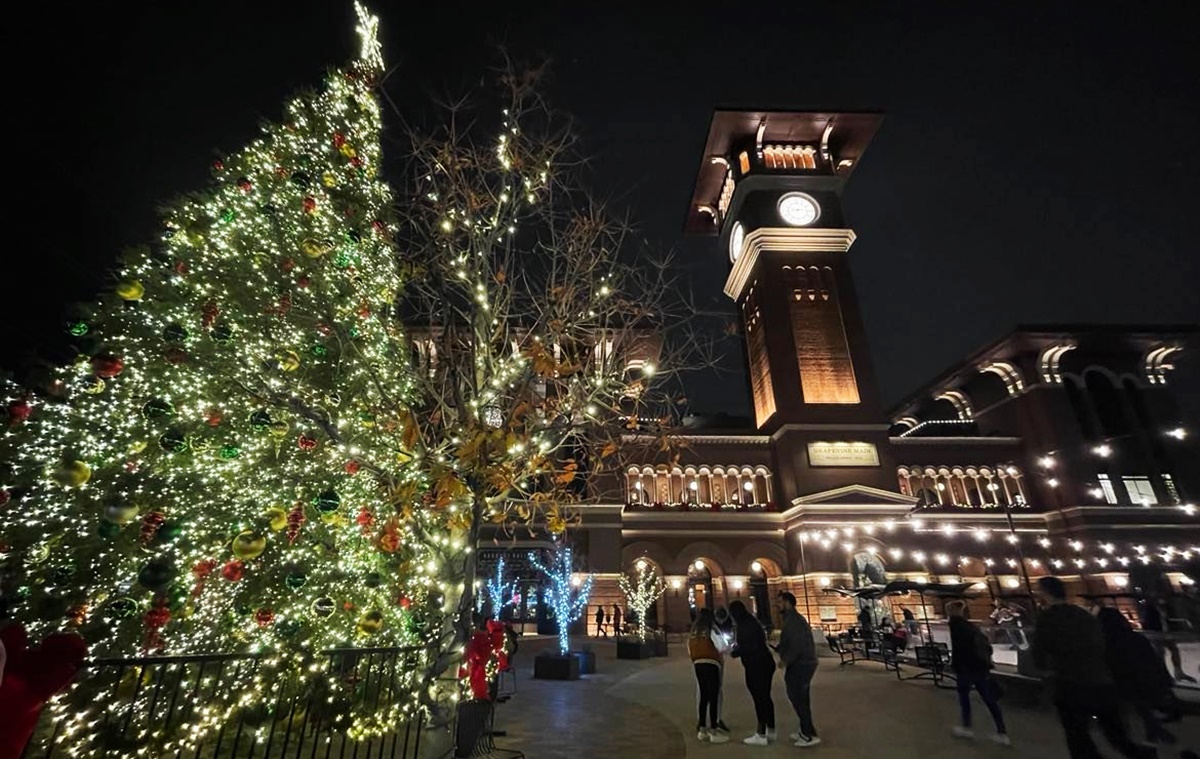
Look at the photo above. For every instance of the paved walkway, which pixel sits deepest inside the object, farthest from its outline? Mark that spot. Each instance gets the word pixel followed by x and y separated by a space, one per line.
pixel 647 709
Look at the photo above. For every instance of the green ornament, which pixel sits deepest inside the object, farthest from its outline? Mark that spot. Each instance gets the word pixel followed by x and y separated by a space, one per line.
pixel 323 607
pixel 174 441
pixel 222 333
pixel 320 351
pixel 168 532
pixel 156 575
pixel 353 332
pixel 243 609
pixel 123 607
pixel 295 580
pixel 230 451
pixel 345 260
pixel 260 420
pixel 353 236
pixel 300 179
pixel 373 580
pixel 175 333
pixel 79 329
pixel 227 215
pixel 287 628
pixel 108 530
pixel 177 595
pixel 157 408
pixel 268 209
pixel 328 501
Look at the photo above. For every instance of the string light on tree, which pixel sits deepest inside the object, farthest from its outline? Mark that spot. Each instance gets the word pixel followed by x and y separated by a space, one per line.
pixel 642 591
pixel 566 594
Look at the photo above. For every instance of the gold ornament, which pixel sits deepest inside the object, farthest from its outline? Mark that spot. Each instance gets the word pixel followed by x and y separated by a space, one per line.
pixel 328 179
pixel 315 248
pixel 38 553
pixel 131 290
pixel 371 622
pixel 137 447
pixel 95 387
pixel 75 474
pixel 347 150
pixel 120 513
pixel 289 361
pixel 279 428
pixel 276 518
pixel 249 545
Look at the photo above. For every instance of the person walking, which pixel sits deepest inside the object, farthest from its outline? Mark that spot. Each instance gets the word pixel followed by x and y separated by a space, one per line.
pixel 751 647
pixel 600 622
pixel 798 654
pixel 707 648
pixel 1068 642
pixel 1139 672
pixel 616 620
pixel 971 660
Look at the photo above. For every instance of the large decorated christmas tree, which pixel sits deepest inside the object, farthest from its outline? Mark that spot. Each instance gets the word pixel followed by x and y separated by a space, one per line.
pixel 227 465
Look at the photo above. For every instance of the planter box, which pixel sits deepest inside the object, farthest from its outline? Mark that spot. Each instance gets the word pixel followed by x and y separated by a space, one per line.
pixel 634 649
pixel 556 667
pixel 660 645
pixel 587 661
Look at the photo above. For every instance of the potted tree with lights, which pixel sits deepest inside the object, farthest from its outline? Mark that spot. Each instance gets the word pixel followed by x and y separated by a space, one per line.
pixel 567 595
pixel 642 591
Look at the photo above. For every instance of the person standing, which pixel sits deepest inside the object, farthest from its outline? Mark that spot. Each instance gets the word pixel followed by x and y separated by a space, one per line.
pixel 1068 642
pixel 971 660
pixel 751 647
pixel 1138 670
pixel 600 622
pixel 707 648
pixel 865 623
pixel 798 654
pixel 910 620
pixel 616 620
pixel 724 625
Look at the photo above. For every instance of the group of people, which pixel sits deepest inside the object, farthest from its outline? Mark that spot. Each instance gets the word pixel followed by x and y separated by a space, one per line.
pixel 603 619
pixel 1099 667
pixel 740 635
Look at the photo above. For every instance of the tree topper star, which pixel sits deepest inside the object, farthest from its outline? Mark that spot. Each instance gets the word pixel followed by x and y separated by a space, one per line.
pixel 368 30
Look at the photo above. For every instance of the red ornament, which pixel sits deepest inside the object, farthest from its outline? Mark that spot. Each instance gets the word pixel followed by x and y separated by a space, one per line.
pixel 4 498
pixel 214 416
pixel 309 204
pixel 107 366
pixel 233 570
pixel 287 264
pixel 356 162
pixel 339 139
pixel 285 305
pixel 324 329
pixel 181 268
pixel 377 225
pixel 218 165
pixel 303 282
pixel 405 602
pixel 364 311
pixel 18 411
pixel 365 520
pixel 307 443
pixel 296 520
pixel 176 356
pixel 348 213
pixel 156 619
pixel 202 569
pixel 264 616
pixel 281 172
pixel 244 184
pixel 352 467
pixel 150 526
pixel 209 314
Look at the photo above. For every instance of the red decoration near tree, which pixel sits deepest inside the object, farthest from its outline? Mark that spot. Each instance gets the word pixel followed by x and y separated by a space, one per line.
pixel 208 315
pixel 309 204
pixel 150 526
pixel 405 602
pixel 213 416
pixel 18 411
pixel 233 570
pixel 4 498
pixel 244 184
pixel 339 139
pixel 352 467
pixel 295 520
pixel 264 616
pixel 107 366
pixel 31 677
pixel 281 172
pixel 366 520
pixel 377 225
pixel 287 264
pixel 218 165
pixel 307 443
pixel 389 540
pixel 201 571
pixel 181 268
pixel 156 619
pixel 303 282
pixel 356 162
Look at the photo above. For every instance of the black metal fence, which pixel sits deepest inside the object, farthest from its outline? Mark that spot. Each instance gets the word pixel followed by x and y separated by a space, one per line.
pixel 345 703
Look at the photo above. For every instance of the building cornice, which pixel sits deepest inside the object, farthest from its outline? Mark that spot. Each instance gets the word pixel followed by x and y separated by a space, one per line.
pixel 980 440
pixel 753 518
pixel 798 240
pixel 709 439
pixel 646 533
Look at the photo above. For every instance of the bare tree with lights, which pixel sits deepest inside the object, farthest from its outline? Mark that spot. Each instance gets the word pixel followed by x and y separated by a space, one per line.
pixel 642 591
pixel 567 593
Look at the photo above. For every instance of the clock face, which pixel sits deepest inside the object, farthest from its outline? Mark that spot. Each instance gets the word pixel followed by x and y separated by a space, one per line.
pixel 737 236
pixel 798 209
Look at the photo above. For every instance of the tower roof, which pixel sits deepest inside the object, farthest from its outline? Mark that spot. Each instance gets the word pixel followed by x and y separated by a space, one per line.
pixel 841 138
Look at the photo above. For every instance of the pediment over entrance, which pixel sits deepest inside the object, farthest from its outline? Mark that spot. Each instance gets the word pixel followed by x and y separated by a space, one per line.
pixel 851 499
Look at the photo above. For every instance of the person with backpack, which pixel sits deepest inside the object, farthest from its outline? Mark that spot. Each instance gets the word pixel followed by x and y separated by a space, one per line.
pixel 707 648
pixel 971 660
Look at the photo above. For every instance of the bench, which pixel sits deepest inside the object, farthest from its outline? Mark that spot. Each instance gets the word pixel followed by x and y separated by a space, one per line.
pixel 845 654
pixel 934 660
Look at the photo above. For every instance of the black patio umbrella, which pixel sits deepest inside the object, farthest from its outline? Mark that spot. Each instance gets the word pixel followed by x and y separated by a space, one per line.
pixel 937 589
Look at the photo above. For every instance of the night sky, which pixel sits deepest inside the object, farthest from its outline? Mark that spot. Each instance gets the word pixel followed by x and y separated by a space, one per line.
pixel 1034 165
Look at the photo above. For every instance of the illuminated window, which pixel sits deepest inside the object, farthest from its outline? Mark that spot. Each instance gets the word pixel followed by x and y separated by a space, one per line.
pixel 1110 495
pixel 744 162
pixel 1140 491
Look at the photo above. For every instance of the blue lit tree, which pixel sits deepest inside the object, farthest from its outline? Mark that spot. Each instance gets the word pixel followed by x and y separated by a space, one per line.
pixel 567 596
pixel 499 591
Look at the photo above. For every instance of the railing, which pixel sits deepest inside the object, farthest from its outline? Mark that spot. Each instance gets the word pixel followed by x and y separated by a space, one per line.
pixel 345 703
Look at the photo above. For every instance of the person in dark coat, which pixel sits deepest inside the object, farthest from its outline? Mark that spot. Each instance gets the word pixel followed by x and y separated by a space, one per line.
pixel 616 619
pixel 1141 676
pixel 971 660
pixel 798 654
pixel 600 622
pixel 750 645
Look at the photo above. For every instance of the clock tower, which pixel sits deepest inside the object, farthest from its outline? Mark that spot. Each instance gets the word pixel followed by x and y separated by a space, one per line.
pixel 770 188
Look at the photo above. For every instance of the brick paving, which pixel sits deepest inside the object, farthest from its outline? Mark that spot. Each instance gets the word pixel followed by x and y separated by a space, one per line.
pixel 647 709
